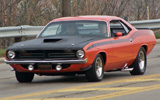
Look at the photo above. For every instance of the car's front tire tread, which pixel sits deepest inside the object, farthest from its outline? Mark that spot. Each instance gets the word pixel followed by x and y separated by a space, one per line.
pixel 23 77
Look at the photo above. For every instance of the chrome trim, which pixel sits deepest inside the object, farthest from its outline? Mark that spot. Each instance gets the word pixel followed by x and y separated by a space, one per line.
pixel 78 61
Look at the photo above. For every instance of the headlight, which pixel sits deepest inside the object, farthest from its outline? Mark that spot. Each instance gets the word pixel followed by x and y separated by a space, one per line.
pixel 11 54
pixel 80 53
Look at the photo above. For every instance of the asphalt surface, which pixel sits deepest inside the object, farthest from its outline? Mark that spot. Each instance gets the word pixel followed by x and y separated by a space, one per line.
pixel 115 85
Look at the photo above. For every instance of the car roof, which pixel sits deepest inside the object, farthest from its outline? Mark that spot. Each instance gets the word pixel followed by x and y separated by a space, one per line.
pixel 91 17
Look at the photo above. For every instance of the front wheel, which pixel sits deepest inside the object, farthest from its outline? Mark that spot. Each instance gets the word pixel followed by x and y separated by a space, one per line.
pixel 139 65
pixel 23 77
pixel 96 72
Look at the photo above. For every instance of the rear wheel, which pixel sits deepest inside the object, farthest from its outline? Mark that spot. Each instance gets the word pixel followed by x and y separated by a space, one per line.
pixel 139 65
pixel 23 77
pixel 96 72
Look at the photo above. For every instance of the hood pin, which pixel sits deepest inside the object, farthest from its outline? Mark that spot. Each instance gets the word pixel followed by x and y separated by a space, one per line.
pixel 72 44
pixel 22 45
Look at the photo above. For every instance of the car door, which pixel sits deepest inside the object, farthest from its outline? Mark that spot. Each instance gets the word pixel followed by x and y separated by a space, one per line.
pixel 121 46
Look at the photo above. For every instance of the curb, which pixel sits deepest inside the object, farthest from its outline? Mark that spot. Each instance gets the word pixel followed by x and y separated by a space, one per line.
pixel 2 58
pixel 157 41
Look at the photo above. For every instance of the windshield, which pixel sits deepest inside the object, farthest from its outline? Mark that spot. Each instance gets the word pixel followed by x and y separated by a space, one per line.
pixel 91 28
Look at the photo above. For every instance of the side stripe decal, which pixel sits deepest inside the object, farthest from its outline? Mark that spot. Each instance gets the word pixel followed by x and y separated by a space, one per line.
pixel 115 41
pixel 98 44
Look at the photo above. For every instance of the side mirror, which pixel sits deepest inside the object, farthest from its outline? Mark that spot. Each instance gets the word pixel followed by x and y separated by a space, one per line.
pixel 118 34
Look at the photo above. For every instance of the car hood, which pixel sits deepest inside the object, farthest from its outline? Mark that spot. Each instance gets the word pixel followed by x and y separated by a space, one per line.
pixel 55 43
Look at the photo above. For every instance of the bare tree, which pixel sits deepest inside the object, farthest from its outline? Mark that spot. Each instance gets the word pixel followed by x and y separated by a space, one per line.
pixel 39 12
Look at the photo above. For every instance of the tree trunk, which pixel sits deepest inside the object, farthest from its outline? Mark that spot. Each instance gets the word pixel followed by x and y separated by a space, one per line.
pixel 66 8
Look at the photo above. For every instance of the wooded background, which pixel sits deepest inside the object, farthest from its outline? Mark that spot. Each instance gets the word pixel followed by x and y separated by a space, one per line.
pixel 40 12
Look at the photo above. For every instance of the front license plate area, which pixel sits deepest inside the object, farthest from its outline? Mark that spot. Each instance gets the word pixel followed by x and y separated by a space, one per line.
pixel 44 66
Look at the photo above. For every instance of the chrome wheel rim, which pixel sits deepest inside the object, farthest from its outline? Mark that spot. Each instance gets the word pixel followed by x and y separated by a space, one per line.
pixel 142 61
pixel 99 67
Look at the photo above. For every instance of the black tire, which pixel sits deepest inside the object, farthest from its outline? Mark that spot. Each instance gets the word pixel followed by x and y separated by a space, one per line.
pixel 140 63
pixel 23 77
pixel 96 72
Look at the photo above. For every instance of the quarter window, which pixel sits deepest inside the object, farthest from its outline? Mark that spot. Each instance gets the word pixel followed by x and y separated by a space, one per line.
pixel 118 26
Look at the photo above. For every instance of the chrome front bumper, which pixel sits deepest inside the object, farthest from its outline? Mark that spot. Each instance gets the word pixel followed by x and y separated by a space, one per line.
pixel 78 61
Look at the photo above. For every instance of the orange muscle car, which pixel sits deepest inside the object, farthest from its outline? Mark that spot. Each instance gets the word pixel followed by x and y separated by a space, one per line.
pixel 88 45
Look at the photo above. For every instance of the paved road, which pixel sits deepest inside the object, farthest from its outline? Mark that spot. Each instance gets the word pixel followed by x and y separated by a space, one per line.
pixel 115 86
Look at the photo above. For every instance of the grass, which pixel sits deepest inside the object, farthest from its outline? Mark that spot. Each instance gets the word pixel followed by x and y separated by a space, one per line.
pixel 2 51
pixel 157 35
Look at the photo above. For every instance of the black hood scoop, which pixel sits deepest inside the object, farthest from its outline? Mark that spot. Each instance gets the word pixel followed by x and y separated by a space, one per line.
pixel 51 40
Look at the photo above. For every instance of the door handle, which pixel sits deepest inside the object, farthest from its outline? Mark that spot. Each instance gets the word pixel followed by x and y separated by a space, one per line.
pixel 131 40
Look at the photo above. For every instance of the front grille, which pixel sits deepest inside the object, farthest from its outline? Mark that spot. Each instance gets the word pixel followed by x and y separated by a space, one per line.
pixel 46 54
pixel 61 55
pixel 32 54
